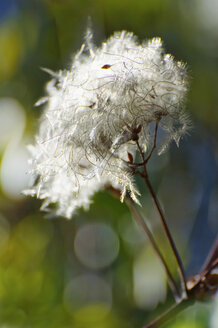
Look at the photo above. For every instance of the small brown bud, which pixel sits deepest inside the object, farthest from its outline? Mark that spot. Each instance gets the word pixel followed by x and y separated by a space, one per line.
pixel 138 129
pixel 130 157
pixel 106 66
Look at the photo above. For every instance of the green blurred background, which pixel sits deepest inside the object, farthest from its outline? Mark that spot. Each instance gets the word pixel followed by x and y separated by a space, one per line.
pixel 98 270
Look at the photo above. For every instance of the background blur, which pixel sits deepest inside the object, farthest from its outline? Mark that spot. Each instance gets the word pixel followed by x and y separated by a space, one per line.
pixel 98 270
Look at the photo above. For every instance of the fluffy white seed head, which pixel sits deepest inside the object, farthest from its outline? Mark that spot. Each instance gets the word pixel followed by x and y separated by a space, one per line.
pixel 92 112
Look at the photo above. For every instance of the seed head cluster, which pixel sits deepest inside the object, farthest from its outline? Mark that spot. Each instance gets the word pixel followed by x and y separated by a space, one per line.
pixel 97 112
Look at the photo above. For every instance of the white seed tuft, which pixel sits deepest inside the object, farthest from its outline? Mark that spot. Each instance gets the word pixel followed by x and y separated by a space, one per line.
pixel 92 112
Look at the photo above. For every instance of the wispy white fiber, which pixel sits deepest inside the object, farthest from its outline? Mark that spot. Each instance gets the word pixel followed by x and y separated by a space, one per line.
pixel 91 113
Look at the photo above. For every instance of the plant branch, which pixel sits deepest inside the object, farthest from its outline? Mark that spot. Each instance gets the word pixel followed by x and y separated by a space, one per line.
pixel 169 236
pixel 202 286
pixel 161 214
pixel 154 144
pixel 145 160
pixel 170 313
pixel 212 255
pixel 138 217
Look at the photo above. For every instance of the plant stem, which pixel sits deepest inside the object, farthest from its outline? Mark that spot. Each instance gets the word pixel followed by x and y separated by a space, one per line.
pixel 145 160
pixel 170 313
pixel 169 236
pixel 138 217
pixel 212 255
pixel 160 211
pixel 203 285
pixel 154 144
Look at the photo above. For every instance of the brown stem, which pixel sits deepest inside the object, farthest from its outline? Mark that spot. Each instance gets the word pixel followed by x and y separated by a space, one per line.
pixel 169 236
pixel 154 144
pixel 212 255
pixel 138 217
pixel 165 226
pixel 202 288
pixel 145 160
pixel 170 313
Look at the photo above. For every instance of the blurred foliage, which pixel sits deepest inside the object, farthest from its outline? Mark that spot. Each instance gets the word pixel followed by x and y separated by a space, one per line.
pixel 44 282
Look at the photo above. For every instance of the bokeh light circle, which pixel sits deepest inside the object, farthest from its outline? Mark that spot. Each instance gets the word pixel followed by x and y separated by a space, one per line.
pixel 87 290
pixel 96 245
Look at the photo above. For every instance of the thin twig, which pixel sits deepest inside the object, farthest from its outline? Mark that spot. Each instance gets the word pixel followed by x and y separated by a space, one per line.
pixel 154 144
pixel 212 255
pixel 145 160
pixel 169 236
pixel 202 286
pixel 170 313
pixel 165 226
pixel 138 217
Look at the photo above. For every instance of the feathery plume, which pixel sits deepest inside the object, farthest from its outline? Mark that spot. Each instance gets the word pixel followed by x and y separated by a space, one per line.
pixel 96 111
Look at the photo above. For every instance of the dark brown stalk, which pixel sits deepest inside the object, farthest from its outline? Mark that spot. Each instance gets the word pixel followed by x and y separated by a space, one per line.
pixel 166 229
pixel 145 160
pixel 160 211
pixel 154 144
pixel 138 217
pixel 212 256
pixel 200 288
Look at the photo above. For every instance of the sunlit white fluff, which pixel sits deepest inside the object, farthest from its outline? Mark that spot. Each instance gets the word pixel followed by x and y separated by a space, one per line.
pixel 86 131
